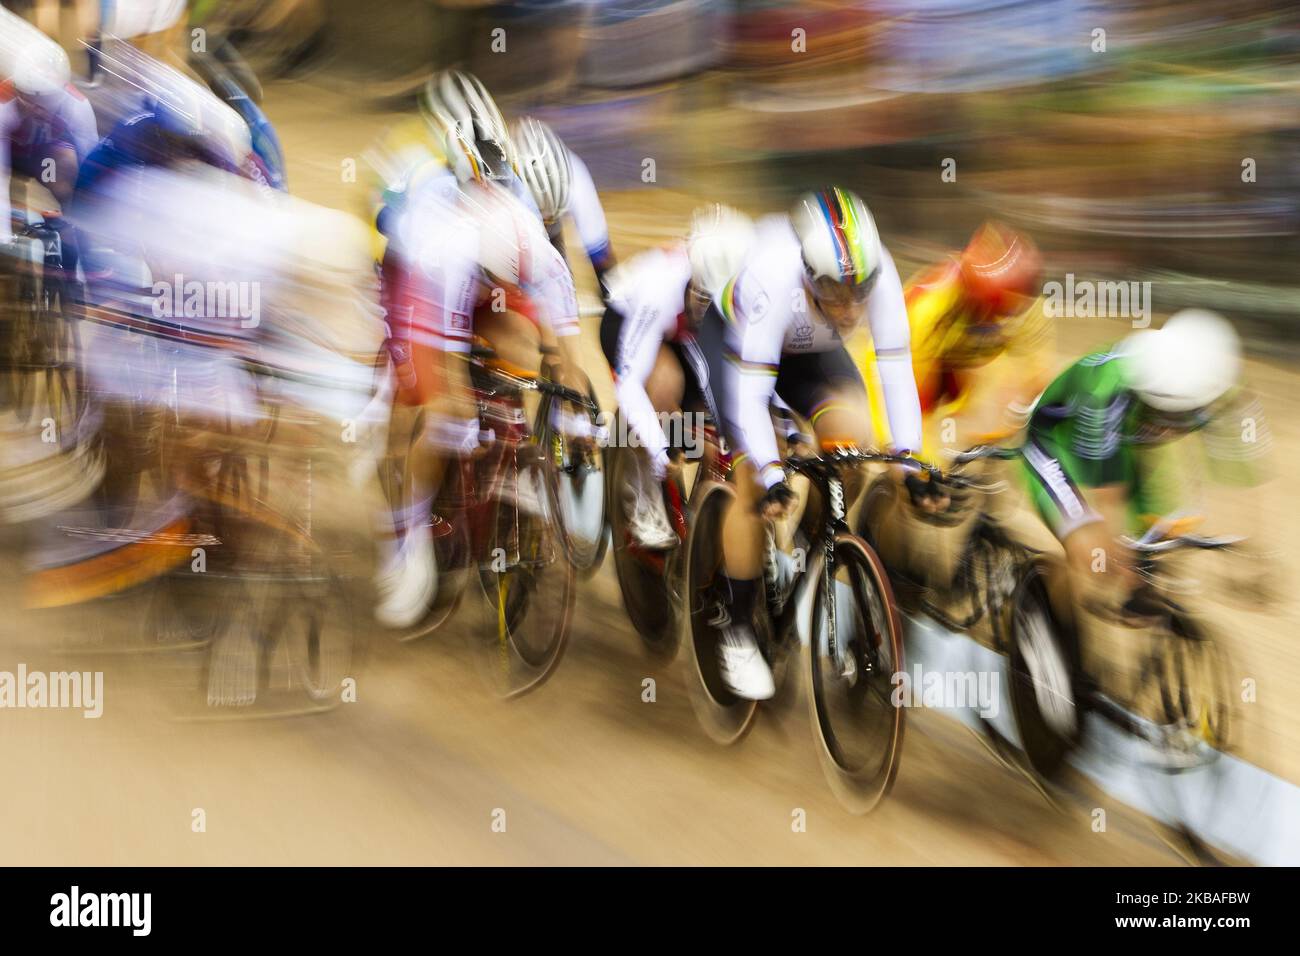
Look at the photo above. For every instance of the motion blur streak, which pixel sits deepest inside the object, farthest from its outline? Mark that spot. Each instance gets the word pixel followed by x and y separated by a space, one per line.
pixel 245 296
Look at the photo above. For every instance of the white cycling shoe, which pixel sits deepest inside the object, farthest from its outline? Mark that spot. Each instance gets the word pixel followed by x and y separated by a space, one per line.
pixel 744 670
pixel 649 525
pixel 406 589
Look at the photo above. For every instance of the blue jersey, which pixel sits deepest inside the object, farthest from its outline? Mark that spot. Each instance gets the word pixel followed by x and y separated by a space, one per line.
pixel 142 141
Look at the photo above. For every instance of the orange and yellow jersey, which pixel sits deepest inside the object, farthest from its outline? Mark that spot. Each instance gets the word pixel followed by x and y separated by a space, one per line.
pixel 953 355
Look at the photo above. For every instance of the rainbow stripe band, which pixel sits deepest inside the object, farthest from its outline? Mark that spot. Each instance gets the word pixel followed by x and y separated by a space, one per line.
pixel 846 233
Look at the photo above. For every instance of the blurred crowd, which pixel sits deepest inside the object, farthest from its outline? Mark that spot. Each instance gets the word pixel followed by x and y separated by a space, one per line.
pixel 1157 141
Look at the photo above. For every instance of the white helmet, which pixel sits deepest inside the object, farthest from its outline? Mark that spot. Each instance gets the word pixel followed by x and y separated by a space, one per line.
pixel 719 239
pixel 184 108
pixel 839 240
pixel 544 165
pixel 460 110
pixel 1186 365
pixel 41 67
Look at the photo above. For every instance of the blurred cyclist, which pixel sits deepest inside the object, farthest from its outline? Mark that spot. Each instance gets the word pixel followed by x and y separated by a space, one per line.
pixel 781 327
pixel 966 314
pixel 1085 432
pixel 648 336
pixel 561 185
pixel 466 257
pixel 47 128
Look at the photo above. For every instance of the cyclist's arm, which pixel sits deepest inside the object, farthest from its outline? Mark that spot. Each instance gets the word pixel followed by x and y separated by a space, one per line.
pixel 639 341
pixel 549 286
pixel 760 338
pixel 589 218
pixel 891 336
pixel 80 118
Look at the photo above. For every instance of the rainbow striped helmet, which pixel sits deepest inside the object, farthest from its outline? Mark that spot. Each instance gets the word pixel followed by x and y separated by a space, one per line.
pixel 839 240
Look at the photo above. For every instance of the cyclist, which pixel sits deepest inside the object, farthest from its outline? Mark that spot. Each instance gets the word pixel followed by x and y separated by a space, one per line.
pixel 47 128
pixel 416 165
pixel 561 185
pixel 648 337
pixel 966 314
pixel 780 326
pixel 1082 458
pixel 466 260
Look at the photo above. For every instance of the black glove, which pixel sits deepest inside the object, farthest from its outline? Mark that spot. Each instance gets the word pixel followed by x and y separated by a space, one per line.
pixel 780 494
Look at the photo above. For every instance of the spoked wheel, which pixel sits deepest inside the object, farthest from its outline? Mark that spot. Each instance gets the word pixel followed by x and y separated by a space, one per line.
pixel 1184 710
pixel 23 347
pixel 313 623
pixel 179 613
pixel 527 580
pixel 580 489
pixel 725 717
pixel 650 581
pixel 60 357
pixel 1044 674
pixel 857 725
pixel 1189 678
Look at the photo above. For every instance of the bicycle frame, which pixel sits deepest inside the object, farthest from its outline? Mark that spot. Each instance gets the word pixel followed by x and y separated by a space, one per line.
pixel 824 475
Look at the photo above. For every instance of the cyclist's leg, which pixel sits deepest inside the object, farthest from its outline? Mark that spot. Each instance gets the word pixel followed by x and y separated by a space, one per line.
pixel 743 529
pixel 826 389
pixel 1084 519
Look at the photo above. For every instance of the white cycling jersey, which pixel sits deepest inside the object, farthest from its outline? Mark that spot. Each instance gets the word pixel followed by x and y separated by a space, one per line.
pixel 771 314
pixel 464 244
pixel 650 293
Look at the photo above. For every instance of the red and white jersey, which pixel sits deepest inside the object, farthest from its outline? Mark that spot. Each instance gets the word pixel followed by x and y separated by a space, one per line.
pixel 478 246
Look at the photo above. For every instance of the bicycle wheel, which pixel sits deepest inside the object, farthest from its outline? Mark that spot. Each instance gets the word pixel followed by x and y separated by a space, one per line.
pixel 724 716
pixel 178 613
pixel 580 490
pixel 858 727
pixel 62 380
pixel 314 620
pixel 650 581
pixel 1195 696
pixel 1044 673
pixel 22 347
pixel 527 580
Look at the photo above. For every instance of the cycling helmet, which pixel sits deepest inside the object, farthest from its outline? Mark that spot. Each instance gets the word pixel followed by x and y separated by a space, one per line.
pixel 1000 269
pixel 716 246
pixel 1187 365
pixel 40 67
pixel 185 110
pixel 462 112
pixel 841 248
pixel 544 166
